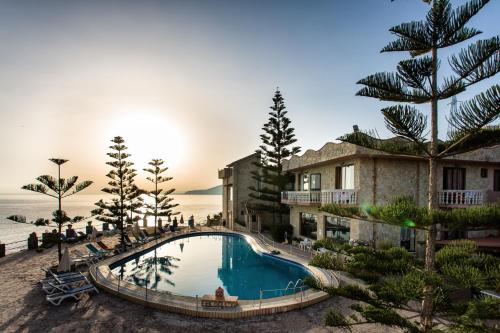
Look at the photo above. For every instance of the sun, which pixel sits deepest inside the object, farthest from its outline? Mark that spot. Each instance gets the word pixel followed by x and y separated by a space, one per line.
pixel 150 134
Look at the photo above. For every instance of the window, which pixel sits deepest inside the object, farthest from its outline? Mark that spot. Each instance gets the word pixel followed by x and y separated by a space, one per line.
pixel 309 225
pixel 453 178
pixel 344 177
pixel 230 193
pixel 337 228
pixel 254 218
pixel 496 180
pixel 484 173
pixel 408 239
pixel 315 182
pixel 305 182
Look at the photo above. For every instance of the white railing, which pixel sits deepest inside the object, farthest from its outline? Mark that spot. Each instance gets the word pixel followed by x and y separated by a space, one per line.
pixel 301 197
pixel 347 197
pixel 460 197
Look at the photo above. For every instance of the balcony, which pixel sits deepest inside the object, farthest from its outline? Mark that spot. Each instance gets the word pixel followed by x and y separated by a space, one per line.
pixel 225 173
pixel 460 198
pixel 344 197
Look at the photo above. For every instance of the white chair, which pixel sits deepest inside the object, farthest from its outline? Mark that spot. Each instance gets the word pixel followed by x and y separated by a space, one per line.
pixel 75 293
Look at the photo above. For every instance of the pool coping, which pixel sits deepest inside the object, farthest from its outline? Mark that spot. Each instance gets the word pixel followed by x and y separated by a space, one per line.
pixel 102 276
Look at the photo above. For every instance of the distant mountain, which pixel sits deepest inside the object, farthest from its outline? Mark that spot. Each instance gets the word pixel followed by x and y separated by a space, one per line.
pixel 211 191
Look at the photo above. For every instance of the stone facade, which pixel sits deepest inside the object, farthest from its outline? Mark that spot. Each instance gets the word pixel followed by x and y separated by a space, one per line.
pixel 236 180
pixel 379 177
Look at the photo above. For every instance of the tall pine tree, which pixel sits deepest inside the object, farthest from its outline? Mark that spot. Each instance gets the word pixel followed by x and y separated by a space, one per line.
pixel 121 186
pixel 162 203
pixel 276 140
pixel 416 82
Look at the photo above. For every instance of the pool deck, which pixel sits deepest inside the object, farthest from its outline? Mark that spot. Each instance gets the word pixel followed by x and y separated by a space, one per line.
pixel 105 280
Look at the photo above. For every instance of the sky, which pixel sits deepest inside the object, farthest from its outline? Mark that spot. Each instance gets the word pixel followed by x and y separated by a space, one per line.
pixel 189 82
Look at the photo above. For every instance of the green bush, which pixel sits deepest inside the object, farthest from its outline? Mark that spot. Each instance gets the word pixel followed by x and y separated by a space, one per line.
pixel 327 261
pixel 369 265
pixel 312 282
pixel 384 245
pixel 336 319
pixel 385 316
pixel 332 244
pixel 465 276
pixel 400 289
pixel 484 308
pixel 278 232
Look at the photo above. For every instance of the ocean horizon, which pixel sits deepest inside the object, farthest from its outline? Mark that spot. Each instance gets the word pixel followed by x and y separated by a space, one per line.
pixel 35 206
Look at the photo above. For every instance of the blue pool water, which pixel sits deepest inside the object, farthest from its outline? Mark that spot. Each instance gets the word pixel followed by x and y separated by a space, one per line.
pixel 198 264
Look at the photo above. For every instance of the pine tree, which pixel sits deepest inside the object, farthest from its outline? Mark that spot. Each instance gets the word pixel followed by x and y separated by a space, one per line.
pixel 416 82
pixel 135 202
pixel 276 140
pixel 162 203
pixel 121 187
pixel 58 188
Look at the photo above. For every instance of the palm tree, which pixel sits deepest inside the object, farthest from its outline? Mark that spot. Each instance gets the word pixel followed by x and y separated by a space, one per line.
pixel 162 205
pixel 58 188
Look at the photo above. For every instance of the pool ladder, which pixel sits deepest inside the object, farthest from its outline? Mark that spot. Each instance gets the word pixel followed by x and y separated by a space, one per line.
pixel 294 286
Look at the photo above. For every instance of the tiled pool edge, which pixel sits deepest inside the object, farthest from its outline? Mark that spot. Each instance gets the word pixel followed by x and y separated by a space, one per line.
pixel 102 277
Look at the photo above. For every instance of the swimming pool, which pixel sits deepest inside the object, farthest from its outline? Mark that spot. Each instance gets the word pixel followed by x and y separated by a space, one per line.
pixel 198 264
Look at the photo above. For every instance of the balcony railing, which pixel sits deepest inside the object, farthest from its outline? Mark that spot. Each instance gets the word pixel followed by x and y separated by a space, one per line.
pixel 301 197
pixel 346 197
pixel 460 198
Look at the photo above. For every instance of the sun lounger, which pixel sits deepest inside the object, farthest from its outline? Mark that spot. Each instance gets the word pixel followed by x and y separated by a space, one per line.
pixel 147 235
pixel 139 238
pixel 75 293
pixel 94 250
pixel 89 259
pixel 104 246
pixel 212 301
pixel 53 286
pixel 128 241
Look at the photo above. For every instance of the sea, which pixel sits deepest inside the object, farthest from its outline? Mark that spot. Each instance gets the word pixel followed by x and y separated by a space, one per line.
pixel 33 206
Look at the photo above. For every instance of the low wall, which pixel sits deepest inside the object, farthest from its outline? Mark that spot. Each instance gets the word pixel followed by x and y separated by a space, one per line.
pixel 105 280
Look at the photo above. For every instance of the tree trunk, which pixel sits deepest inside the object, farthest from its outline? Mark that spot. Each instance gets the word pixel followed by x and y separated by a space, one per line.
pixel 59 214
pixel 427 302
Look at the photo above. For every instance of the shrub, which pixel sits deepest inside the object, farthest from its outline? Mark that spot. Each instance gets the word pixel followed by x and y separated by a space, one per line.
pixel 278 232
pixel 398 290
pixel 384 245
pixel 484 308
pixel 332 244
pixel 455 252
pixel 353 291
pixel 385 316
pixel 336 319
pixel 312 282
pixel 327 261
pixel 465 276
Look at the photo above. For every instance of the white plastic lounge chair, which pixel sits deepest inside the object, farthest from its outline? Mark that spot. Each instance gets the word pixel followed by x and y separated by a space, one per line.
pixel 51 287
pixel 59 277
pixel 75 293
